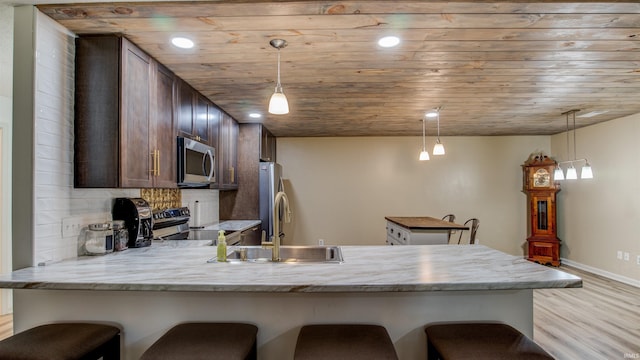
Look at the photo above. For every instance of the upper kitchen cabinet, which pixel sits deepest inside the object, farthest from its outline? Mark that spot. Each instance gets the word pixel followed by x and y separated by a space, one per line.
pixel 193 120
pixel 228 153
pixel 123 116
pixel 267 145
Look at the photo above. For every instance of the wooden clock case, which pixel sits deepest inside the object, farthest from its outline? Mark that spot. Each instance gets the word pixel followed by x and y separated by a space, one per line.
pixel 541 190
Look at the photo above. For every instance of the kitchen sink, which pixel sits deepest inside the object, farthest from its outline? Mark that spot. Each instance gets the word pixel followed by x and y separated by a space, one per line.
pixel 288 254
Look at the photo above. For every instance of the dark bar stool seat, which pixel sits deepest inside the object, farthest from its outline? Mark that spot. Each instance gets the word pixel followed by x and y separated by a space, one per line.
pixel 63 341
pixel 210 341
pixel 479 341
pixel 344 341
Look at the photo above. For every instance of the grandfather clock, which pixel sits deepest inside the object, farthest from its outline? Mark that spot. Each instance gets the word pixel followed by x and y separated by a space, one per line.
pixel 541 189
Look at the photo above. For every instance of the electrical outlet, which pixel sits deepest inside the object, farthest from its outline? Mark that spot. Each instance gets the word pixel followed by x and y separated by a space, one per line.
pixel 638 260
pixel 321 242
pixel 626 256
pixel 619 255
pixel 72 226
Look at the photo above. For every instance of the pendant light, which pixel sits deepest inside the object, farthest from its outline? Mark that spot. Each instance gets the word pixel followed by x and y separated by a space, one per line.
pixel 438 148
pixel 572 173
pixel 278 103
pixel 424 155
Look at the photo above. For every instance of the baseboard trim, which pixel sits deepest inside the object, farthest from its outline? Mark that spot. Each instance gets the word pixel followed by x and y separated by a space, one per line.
pixel 603 273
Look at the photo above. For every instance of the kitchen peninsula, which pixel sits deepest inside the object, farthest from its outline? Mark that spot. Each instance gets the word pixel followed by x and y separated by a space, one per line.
pixel 148 290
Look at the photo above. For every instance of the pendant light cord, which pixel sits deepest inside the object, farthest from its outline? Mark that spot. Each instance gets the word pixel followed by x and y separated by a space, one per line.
pixel 424 144
pixel 278 86
pixel 574 136
pixel 438 126
pixel 568 151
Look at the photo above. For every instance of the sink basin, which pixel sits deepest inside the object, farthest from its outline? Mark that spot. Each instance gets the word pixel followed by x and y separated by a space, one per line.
pixel 288 254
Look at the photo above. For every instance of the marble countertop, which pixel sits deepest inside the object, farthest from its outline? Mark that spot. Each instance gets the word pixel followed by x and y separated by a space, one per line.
pixel 231 225
pixel 182 266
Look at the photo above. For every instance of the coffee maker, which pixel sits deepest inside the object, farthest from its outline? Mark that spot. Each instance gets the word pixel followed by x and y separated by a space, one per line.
pixel 138 219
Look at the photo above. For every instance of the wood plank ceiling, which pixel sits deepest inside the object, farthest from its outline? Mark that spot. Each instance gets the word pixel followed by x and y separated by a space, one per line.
pixel 495 68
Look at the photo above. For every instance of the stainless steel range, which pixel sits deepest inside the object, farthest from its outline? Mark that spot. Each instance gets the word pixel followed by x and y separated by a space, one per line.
pixel 173 224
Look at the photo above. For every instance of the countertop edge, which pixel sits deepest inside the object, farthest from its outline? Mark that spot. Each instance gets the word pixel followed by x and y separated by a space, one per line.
pixel 298 288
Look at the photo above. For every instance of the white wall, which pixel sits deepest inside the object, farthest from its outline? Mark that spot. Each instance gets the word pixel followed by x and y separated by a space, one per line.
pixel 54 195
pixel 6 114
pixel 342 188
pixel 598 217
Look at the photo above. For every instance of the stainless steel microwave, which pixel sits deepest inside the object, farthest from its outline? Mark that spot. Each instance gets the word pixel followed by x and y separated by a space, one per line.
pixel 196 163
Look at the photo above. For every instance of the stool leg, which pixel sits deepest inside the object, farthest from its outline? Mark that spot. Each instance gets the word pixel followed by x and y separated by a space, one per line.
pixel 432 354
pixel 112 349
pixel 253 355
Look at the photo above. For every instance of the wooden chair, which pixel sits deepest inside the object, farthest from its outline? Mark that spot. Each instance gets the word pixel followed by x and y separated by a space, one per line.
pixel 473 229
pixel 450 218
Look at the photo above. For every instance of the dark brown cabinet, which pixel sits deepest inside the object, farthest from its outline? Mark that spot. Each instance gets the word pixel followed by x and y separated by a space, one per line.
pixel 244 203
pixel 267 145
pixel 122 97
pixel 163 111
pixel 193 120
pixel 228 153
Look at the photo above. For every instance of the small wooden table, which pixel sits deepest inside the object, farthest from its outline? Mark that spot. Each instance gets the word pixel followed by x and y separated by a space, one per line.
pixel 420 230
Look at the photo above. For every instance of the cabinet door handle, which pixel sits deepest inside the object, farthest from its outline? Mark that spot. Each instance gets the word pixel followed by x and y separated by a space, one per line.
pixel 232 175
pixel 153 163
pixel 158 162
pixel 155 168
pixel 209 154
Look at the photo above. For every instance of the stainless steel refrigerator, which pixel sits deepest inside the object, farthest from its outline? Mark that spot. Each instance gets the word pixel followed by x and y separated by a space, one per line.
pixel 270 184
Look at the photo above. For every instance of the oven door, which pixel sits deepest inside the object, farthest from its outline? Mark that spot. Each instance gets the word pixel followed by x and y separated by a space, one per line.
pixel 196 163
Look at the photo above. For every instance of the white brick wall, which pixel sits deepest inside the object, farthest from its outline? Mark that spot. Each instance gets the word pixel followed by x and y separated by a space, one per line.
pixel 55 197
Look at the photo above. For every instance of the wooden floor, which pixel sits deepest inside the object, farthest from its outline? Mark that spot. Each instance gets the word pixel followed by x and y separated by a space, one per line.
pixel 6 326
pixel 601 320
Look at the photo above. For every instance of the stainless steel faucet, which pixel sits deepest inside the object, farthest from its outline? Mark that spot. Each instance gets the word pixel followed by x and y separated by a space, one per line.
pixel 274 244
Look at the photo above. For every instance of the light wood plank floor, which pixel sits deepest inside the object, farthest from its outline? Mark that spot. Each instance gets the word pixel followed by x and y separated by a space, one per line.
pixel 6 326
pixel 601 320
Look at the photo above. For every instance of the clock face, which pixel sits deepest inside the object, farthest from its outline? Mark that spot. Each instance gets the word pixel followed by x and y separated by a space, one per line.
pixel 541 178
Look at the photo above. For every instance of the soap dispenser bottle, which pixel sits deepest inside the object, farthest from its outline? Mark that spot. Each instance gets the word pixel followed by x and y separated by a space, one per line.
pixel 222 246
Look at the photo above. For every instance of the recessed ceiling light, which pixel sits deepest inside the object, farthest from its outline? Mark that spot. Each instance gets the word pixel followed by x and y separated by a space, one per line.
pixel 389 41
pixel 255 115
pixel 182 42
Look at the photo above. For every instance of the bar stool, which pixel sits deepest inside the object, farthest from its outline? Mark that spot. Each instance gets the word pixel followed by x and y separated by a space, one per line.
pixel 210 341
pixel 344 341
pixel 63 341
pixel 488 341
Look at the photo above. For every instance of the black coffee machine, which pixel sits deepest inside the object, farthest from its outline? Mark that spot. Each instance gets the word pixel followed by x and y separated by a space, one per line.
pixel 138 219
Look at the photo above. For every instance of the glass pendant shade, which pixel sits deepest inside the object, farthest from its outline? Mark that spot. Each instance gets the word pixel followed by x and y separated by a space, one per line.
pixel 558 174
pixel 586 172
pixel 438 148
pixel 424 155
pixel 278 104
pixel 572 174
